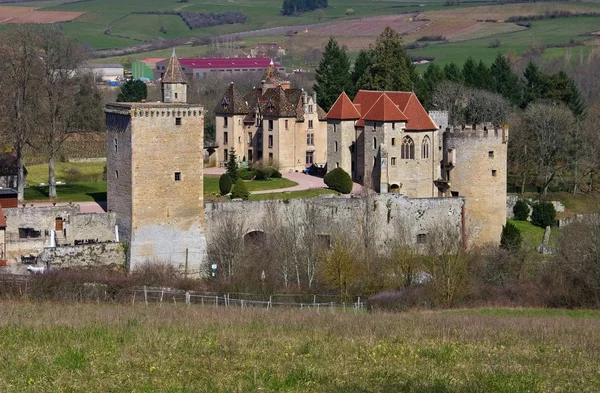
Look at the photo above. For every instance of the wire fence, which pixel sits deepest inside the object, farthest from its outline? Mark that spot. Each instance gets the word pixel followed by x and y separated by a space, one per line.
pixel 17 286
pixel 158 295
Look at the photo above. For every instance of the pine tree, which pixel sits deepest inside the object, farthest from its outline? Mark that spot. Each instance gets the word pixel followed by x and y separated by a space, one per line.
pixel 469 72
pixel 332 75
pixel 536 84
pixel 432 76
pixel 232 166
pixel 505 82
pixel 484 77
pixel 391 68
pixel 452 72
pixel 133 90
pixel 563 89
pixel 511 238
pixel 361 65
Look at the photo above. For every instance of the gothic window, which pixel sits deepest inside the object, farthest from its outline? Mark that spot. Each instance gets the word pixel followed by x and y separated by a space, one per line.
pixel 407 151
pixel 425 148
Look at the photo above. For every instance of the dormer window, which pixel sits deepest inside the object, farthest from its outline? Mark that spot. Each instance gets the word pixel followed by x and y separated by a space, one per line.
pixel 224 103
pixel 270 105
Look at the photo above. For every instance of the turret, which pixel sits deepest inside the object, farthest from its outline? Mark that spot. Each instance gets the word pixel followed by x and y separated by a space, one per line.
pixel 174 84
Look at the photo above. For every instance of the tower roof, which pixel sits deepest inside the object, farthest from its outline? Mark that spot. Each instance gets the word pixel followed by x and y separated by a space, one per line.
pixel 173 73
pixel 384 109
pixel 232 102
pixel 343 109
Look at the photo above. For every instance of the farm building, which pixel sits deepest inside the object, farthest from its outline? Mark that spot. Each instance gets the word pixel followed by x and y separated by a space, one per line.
pixel 200 67
pixel 267 49
pixel 145 68
pixel 106 72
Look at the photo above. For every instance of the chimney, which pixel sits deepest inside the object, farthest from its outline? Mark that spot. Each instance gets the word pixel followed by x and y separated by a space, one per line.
pixel 285 85
pixel 314 95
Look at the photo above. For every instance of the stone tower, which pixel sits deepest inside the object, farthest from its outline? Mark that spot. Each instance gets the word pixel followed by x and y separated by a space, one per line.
pixel 174 87
pixel 155 171
pixel 341 135
pixel 475 167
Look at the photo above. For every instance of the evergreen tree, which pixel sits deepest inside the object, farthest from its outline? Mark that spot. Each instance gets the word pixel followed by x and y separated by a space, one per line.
pixel 563 89
pixel 240 191
pixel 469 72
pixel 232 166
pixel 391 67
pixel 133 90
pixel 504 81
pixel 484 77
pixel 332 75
pixel 452 73
pixel 361 64
pixel 536 84
pixel 511 238
pixel 432 76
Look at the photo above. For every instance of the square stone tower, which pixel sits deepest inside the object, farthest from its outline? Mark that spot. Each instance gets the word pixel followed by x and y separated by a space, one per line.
pixel 154 155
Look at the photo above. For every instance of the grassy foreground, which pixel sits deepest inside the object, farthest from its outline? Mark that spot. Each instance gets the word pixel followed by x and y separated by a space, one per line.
pixel 114 348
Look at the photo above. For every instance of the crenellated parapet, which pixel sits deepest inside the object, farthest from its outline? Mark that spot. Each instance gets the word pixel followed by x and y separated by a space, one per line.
pixel 478 132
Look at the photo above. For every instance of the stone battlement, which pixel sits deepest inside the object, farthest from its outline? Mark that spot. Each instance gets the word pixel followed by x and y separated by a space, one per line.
pixel 478 133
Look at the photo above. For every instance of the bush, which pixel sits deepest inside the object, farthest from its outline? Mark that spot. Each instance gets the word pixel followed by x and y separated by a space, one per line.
pixel 246 174
pixel 240 191
pixel 350 11
pixel 511 238
pixel 543 214
pixel 267 172
pixel 521 210
pixel 339 180
pixel 397 301
pixel 225 184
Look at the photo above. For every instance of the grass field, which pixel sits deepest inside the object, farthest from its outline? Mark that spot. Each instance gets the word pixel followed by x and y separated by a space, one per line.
pixel 211 184
pixel 112 348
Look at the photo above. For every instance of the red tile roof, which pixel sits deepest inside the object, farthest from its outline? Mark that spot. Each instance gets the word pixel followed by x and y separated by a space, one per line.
pixel 406 102
pixel 2 219
pixel 228 63
pixel 343 109
pixel 384 109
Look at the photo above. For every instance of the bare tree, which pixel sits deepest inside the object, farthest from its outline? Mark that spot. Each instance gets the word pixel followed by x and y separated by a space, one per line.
pixel 19 81
pixel 486 107
pixel 403 259
pixel 520 158
pixel 548 130
pixel 226 244
pixel 451 97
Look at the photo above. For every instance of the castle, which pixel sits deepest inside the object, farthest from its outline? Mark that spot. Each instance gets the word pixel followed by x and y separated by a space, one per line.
pixel 275 124
pixel 428 177
pixel 388 142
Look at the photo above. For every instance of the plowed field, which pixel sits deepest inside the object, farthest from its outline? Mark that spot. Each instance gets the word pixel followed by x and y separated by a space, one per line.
pixel 32 15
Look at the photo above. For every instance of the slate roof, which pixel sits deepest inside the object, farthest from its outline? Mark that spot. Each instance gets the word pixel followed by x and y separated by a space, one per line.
pixel 8 164
pixel 343 109
pixel 232 102
pixel 406 102
pixel 2 219
pixel 174 73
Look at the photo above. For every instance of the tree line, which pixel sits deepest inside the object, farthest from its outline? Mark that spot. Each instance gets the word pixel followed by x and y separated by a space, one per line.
pixel 296 7
pixel 47 94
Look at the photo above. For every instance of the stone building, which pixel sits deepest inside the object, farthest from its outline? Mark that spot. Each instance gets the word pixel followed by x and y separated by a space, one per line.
pixel 274 123
pixel 389 143
pixel 155 175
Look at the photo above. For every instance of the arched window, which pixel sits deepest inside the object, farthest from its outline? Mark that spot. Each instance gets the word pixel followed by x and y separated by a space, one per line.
pixel 407 151
pixel 425 147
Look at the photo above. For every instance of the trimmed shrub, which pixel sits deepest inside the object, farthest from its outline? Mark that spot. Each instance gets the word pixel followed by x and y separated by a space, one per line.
pixel 511 238
pixel 246 174
pixel 225 184
pixel 240 190
pixel 521 210
pixel 543 214
pixel 276 174
pixel 339 180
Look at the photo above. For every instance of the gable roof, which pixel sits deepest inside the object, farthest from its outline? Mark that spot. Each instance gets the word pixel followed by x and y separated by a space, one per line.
pixel 174 73
pixel 384 109
pixel 343 109
pixel 227 63
pixel 2 219
pixel 407 102
pixel 232 102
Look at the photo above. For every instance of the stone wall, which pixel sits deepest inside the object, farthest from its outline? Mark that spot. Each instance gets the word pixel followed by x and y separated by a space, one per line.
pixel 100 226
pixel 107 255
pixel 342 215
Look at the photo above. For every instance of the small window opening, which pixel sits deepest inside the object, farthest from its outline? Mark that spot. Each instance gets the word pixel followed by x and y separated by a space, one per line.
pixel 178 121
pixel 393 161
pixel 494 172
pixel 177 176
pixel 491 154
pixel 421 238
pixel 175 95
pixel 116 174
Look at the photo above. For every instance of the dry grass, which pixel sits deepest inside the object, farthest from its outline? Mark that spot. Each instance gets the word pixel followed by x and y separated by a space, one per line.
pixel 109 348
pixel 21 15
